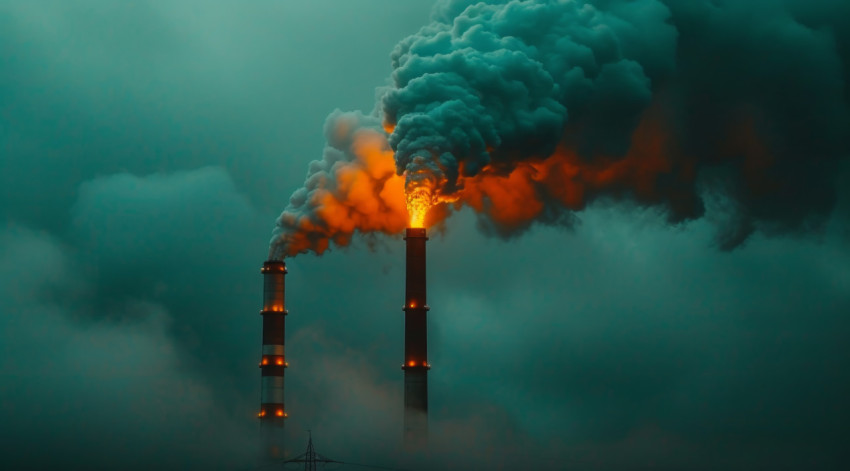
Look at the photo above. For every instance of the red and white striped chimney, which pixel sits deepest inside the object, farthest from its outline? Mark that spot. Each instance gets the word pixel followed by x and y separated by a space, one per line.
pixel 273 362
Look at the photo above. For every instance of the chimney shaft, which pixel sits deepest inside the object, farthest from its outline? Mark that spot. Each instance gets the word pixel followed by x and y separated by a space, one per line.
pixel 273 361
pixel 415 341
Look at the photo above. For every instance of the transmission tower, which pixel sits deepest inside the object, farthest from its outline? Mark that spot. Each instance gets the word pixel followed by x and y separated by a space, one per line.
pixel 311 458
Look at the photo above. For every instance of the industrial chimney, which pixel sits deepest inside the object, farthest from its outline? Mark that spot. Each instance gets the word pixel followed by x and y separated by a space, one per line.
pixel 415 342
pixel 273 363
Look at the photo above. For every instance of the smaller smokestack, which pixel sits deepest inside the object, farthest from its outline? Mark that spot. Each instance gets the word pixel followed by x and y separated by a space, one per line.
pixel 416 364
pixel 273 362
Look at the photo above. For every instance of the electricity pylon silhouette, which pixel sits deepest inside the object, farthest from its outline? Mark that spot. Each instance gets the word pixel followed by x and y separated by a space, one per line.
pixel 311 458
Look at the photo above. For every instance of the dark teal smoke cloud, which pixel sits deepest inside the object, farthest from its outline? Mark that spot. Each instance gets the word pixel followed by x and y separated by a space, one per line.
pixel 752 96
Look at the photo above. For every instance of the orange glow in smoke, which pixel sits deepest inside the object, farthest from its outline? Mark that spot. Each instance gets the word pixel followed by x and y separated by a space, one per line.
pixel 515 198
pixel 369 197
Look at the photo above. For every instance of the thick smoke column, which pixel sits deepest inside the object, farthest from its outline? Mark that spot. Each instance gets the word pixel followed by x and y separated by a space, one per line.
pixel 529 110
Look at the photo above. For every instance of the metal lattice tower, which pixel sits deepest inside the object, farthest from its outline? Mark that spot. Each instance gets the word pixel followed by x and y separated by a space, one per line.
pixel 311 459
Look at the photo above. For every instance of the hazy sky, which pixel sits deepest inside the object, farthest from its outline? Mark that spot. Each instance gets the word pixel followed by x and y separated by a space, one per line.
pixel 146 149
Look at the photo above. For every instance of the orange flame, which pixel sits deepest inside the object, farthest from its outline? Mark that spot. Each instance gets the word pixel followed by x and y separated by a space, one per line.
pixel 419 201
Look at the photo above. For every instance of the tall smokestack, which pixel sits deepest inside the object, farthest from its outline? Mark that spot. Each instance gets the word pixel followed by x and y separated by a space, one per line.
pixel 415 341
pixel 273 363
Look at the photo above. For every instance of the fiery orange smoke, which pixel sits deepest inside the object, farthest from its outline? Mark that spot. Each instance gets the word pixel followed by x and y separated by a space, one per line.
pixel 514 198
pixel 364 194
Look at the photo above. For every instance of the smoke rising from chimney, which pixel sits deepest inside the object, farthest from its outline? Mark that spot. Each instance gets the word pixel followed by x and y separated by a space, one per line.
pixel 527 111
pixel 353 188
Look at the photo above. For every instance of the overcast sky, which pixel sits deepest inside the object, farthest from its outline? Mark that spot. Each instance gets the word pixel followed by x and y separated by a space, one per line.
pixel 146 149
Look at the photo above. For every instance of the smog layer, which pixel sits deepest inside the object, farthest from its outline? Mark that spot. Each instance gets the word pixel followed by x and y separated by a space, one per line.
pixel 147 147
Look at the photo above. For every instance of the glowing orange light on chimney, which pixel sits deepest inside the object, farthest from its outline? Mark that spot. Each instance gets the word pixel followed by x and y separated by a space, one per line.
pixel 280 412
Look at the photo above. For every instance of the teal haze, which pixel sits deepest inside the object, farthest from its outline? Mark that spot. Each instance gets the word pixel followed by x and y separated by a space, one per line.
pixel 146 149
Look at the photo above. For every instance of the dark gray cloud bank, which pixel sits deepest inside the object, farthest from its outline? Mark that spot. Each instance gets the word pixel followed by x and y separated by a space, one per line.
pixel 145 150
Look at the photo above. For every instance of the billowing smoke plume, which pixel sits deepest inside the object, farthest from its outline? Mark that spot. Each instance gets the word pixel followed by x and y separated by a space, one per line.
pixel 529 110
pixel 354 187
